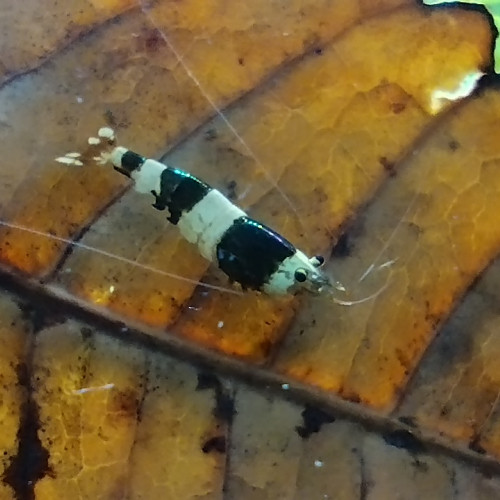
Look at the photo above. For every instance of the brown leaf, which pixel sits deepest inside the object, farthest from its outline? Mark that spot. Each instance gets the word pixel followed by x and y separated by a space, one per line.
pixel 346 126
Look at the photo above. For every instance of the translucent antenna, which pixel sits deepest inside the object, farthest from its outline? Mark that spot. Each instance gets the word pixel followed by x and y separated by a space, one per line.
pixel 118 258
pixel 84 390
pixel 342 302
pixel 371 270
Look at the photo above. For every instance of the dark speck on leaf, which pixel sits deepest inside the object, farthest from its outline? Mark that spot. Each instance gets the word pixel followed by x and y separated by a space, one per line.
pixel 476 446
pixel 266 346
pixel 224 403
pixel 110 118
pixel 388 165
pixel 313 419
pixel 353 397
pixel 40 317
pixel 207 381
pixel 318 51
pixel 125 403
pixel 398 107
pixel 343 247
pixel 421 466
pixel 210 134
pixel 216 443
pixel 445 410
pixel 224 410
pixel 453 145
pixel 405 440
pixel 86 332
pixel 153 40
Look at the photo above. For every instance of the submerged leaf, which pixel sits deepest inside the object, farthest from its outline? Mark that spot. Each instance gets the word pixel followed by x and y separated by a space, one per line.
pixel 362 130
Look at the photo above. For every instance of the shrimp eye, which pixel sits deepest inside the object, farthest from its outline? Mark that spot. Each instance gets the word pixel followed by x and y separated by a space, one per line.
pixel 300 275
pixel 317 260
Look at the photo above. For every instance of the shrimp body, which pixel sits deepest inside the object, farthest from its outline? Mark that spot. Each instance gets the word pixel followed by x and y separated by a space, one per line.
pixel 247 251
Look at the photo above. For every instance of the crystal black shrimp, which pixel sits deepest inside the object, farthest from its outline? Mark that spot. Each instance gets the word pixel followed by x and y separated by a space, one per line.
pixel 247 251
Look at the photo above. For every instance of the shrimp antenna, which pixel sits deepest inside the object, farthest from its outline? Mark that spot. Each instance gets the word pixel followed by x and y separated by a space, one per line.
pixel 374 295
pixel 118 258
pixel 371 269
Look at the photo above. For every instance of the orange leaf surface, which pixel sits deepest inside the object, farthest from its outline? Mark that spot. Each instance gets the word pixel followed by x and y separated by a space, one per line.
pixel 365 131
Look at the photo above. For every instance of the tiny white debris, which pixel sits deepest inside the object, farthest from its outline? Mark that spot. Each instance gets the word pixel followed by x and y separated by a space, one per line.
pixel 285 387
pixel 318 463
pixel 220 324
pixel 389 263
pixel 79 99
pixel 84 390
pixel 94 141
pixel 63 159
pixel 69 161
pixel 73 155
pixel 111 289
pixel 106 133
